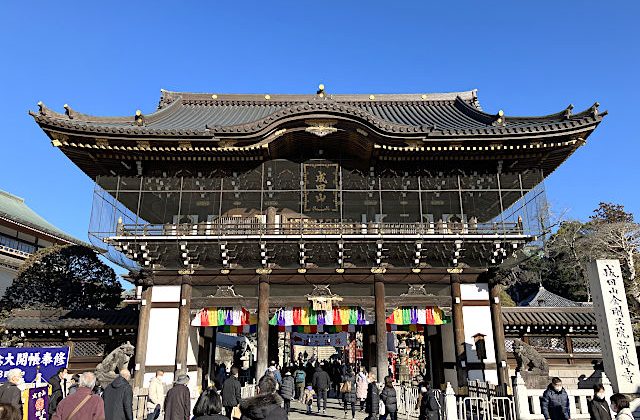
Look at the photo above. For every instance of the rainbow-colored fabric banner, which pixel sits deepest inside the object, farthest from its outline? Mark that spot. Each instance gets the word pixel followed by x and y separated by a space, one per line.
pixel 217 317
pixel 412 315
pixel 349 315
pixel 240 329
pixel 313 329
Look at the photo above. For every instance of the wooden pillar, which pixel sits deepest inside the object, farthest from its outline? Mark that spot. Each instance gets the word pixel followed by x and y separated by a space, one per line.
pixel 184 325
pixel 437 356
pixel 143 336
pixel 204 348
pixel 569 345
pixel 381 328
pixel 458 330
pixel 263 326
pixel 498 335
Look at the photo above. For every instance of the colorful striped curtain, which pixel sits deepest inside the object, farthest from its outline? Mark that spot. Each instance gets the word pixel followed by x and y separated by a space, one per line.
pixel 217 317
pixel 431 315
pixel 301 316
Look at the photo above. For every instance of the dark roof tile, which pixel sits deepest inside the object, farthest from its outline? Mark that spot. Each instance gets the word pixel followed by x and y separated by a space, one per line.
pixel 28 319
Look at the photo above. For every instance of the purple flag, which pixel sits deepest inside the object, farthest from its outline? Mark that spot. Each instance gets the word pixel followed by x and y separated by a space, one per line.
pixel 37 403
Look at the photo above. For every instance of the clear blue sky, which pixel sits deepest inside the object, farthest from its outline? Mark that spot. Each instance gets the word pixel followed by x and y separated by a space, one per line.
pixel 527 58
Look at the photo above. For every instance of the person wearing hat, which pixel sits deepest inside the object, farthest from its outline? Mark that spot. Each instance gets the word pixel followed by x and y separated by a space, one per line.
pixel 177 403
pixel 273 370
pixel 287 390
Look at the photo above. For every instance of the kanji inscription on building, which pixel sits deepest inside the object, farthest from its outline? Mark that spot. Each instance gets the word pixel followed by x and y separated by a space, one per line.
pixel 321 182
pixel 614 325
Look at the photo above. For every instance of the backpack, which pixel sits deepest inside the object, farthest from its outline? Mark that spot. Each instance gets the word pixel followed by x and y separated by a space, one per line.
pixel 300 375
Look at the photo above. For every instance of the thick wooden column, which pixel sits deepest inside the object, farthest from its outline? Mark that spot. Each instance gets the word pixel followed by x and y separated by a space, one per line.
pixel 381 328
pixel 143 336
pixel 263 326
pixel 204 348
pixel 458 329
pixel 498 335
pixel 184 325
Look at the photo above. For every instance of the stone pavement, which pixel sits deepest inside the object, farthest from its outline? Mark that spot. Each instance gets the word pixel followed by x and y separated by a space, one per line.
pixel 334 411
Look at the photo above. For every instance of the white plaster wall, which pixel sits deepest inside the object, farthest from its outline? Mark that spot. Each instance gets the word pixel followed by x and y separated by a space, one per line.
pixel 163 336
pixel 477 319
pixel 165 294
pixel 477 291
pixel 192 350
pixel 491 376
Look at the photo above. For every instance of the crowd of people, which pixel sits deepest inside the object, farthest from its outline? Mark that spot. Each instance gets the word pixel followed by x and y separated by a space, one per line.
pixel 276 389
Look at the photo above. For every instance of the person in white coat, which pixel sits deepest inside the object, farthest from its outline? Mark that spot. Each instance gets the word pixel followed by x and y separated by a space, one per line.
pixel 156 392
pixel 620 406
pixel 362 383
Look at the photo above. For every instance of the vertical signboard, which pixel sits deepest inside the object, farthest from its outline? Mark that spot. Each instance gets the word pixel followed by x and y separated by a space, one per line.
pixel 614 325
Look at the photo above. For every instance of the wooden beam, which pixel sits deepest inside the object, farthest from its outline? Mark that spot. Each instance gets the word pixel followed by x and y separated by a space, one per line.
pixel 367 302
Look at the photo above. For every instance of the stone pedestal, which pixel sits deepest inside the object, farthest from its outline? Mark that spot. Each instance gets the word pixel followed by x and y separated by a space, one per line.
pixel 535 380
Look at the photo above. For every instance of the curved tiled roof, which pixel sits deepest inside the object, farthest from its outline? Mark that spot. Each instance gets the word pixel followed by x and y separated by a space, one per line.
pixel 206 115
pixel 13 209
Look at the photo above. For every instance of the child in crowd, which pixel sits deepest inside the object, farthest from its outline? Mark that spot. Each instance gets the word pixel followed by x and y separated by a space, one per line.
pixel 307 398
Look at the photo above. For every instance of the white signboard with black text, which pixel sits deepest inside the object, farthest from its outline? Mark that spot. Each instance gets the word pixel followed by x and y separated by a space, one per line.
pixel 614 325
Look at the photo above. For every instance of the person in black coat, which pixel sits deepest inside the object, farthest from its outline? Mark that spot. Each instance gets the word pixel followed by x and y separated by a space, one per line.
pixel 58 388
pixel 428 404
pixel 177 404
pixel 9 392
pixel 266 405
pixel 598 406
pixel 231 392
pixel 118 398
pixel 348 391
pixel 388 396
pixel 209 405
pixel 555 401
pixel 287 390
pixel 321 383
pixel 373 398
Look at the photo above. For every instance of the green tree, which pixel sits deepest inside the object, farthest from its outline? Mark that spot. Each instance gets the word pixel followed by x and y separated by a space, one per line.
pixel 65 277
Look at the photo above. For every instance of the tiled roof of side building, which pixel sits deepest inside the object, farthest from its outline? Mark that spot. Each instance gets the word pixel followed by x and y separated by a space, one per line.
pixel 435 114
pixel 581 316
pixel 547 299
pixel 33 319
pixel 14 210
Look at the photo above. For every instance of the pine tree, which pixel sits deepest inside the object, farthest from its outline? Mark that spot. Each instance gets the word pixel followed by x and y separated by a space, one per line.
pixel 63 277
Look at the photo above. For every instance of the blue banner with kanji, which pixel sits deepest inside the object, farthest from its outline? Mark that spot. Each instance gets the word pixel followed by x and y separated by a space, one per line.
pixel 36 403
pixel 31 360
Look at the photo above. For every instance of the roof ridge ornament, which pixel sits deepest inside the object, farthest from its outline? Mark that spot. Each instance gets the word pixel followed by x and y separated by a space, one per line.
pixel 68 111
pixel 321 93
pixel 139 118
pixel 568 112
pixel 42 109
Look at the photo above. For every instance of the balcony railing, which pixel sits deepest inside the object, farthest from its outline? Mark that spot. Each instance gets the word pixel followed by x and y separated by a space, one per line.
pixel 253 227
